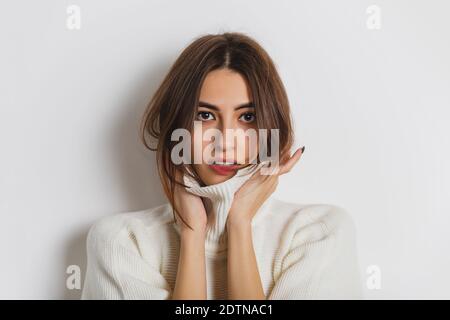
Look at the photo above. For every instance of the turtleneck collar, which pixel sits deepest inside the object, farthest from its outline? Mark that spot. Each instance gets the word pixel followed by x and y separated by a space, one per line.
pixel 219 198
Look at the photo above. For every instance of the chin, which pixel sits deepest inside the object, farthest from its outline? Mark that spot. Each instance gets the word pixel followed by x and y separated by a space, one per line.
pixel 210 177
pixel 216 178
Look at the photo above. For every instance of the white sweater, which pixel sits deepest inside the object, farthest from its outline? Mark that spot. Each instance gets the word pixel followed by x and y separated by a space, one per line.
pixel 302 251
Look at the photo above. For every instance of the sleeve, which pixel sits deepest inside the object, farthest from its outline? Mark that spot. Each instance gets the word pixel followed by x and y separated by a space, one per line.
pixel 116 272
pixel 321 262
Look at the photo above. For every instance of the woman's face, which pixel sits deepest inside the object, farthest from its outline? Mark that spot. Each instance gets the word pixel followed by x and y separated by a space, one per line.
pixel 224 103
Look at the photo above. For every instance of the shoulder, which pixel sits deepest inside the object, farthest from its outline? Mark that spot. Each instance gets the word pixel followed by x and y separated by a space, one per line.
pixel 126 228
pixel 309 222
pixel 318 255
pixel 331 217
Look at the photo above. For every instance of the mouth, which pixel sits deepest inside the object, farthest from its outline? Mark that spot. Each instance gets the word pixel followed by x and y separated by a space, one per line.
pixel 224 168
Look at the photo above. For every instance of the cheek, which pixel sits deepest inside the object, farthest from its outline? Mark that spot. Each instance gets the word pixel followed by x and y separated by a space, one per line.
pixel 197 146
pixel 202 142
pixel 252 146
pixel 252 151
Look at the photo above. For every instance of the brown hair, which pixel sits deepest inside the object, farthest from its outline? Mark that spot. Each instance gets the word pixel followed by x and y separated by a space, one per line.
pixel 174 104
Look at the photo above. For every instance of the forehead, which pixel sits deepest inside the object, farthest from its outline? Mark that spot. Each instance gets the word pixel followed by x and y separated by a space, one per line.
pixel 225 88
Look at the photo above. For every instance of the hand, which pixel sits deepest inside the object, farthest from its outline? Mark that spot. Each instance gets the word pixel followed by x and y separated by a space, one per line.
pixel 190 207
pixel 254 192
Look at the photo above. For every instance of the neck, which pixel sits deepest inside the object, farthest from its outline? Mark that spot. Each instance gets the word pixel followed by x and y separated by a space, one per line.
pixel 218 199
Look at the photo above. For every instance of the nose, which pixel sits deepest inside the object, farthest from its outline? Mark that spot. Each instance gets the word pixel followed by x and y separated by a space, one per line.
pixel 229 142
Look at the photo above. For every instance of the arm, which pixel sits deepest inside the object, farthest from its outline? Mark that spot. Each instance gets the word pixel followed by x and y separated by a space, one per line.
pixel 191 274
pixel 244 281
pixel 321 262
pixel 115 271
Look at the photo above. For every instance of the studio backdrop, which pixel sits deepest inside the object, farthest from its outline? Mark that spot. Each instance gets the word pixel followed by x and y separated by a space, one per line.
pixel 368 83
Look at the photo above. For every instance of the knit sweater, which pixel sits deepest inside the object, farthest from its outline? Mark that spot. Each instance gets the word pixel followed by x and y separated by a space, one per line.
pixel 303 251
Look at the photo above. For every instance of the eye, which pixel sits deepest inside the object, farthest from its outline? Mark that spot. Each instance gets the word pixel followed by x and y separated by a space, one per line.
pixel 205 116
pixel 248 117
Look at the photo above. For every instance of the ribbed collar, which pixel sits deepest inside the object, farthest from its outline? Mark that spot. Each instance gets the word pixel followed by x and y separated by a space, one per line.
pixel 220 197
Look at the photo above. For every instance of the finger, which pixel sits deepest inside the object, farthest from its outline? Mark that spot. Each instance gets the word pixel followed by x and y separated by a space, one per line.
pixel 271 171
pixel 272 168
pixel 286 167
pixel 258 177
pixel 271 177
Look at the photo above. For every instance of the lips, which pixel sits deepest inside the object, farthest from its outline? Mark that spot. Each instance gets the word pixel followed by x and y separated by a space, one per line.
pixel 224 169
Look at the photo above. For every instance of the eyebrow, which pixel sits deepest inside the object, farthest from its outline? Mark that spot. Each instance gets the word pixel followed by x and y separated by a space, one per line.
pixel 213 107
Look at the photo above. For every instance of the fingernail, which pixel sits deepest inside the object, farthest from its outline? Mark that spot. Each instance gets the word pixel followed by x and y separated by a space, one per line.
pixel 303 149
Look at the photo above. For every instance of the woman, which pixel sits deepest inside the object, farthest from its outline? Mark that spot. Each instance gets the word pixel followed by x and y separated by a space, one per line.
pixel 222 235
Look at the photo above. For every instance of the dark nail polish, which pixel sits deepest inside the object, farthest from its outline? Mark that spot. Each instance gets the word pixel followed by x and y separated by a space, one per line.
pixel 303 149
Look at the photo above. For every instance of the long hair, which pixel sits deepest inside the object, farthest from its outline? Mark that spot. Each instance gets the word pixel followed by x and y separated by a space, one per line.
pixel 174 104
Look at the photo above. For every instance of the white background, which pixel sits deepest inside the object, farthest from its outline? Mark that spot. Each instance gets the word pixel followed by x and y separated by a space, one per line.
pixel 371 106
